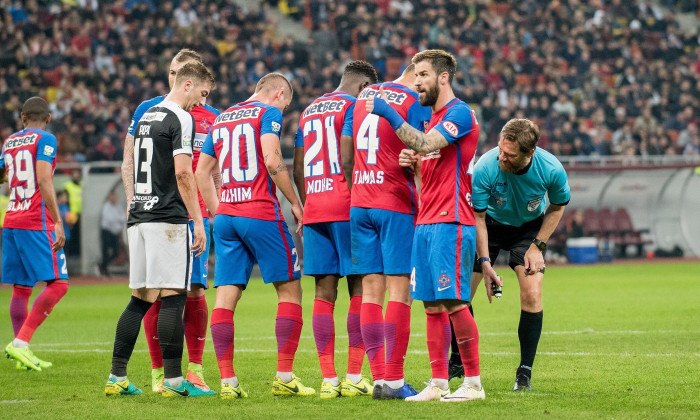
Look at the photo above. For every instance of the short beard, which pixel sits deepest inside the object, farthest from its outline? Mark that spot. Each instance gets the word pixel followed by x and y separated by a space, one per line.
pixel 430 96
pixel 510 168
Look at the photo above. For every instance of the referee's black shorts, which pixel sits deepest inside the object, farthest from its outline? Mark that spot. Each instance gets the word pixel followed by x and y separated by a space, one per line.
pixel 514 239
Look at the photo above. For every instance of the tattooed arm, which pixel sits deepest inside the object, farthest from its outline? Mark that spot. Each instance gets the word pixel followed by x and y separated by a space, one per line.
pixel 423 143
pixel 272 154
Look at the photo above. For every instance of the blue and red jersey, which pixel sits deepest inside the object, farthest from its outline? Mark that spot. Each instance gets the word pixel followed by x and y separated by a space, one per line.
pixel 378 180
pixel 204 117
pixel 447 173
pixel 247 190
pixel 20 153
pixel 320 127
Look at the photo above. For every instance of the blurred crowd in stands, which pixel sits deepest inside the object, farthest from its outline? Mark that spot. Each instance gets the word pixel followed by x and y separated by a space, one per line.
pixel 600 77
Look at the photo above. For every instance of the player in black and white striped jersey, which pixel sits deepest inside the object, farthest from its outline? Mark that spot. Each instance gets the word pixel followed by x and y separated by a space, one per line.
pixel 160 248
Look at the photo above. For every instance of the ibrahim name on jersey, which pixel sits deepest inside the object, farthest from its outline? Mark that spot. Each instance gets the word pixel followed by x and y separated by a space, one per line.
pixel 517 198
pixel 164 131
pixel 246 187
pixel 378 180
pixel 20 153
pixel 204 117
pixel 447 173
pixel 320 127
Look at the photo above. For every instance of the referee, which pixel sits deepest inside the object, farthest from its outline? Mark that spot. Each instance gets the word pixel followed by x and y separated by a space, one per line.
pixel 512 214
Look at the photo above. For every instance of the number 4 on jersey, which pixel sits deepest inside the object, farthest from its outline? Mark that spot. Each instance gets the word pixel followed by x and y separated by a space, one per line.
pixel 367 138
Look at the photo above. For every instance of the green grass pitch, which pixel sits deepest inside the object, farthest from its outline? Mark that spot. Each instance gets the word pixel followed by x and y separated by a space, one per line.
pixel 619 341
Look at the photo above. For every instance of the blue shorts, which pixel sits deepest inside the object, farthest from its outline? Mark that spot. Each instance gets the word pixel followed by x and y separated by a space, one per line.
pixel 327 248
pixel 200 265
pixel 241 242
pixel 27 257
pixel 381 241
pixel 443 258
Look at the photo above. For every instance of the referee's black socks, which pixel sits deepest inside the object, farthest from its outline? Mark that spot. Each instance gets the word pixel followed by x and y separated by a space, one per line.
pixel 529 331
pixel 128 328
pixel 171 334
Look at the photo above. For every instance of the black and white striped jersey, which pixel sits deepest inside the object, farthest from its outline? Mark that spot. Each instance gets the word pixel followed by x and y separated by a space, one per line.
pixel 164 131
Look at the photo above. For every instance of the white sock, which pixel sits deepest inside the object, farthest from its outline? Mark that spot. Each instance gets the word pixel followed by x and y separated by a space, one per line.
pixel 285 376
pixel 443 384
pixel 176 382
pixel 379 382
pixel 118 378
pixel 475 381
pixel 233 381
pixel 354 377
pixel 19 343
pixel 395 384
pixel 333 381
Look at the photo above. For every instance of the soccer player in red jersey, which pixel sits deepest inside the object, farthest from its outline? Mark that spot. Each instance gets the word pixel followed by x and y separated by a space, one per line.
pixel 444 242
pixel 32 235
pixel 322 172
pixel 249 227
pixel 384 202
pixel 196 310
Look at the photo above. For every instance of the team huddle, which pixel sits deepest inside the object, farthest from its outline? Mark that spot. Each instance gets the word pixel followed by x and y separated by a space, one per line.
pixel 383 171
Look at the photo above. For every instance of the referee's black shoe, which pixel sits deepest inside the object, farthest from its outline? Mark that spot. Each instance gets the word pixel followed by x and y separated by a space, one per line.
pixel 522 380
pixel 455 369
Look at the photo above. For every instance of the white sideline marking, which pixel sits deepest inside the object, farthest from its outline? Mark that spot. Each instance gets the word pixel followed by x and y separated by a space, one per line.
pixel 14 401
pixel 310 337
pixel 484 353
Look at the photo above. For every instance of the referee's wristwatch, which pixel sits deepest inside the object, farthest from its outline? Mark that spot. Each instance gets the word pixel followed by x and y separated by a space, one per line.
pixel 482 260
pixel 540 244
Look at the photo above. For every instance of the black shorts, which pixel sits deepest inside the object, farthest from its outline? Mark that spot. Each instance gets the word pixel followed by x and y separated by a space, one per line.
pixel 515 239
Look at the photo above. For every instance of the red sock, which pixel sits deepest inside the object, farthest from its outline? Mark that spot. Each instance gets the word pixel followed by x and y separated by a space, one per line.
pixel 18 306
pixel 43 305
pixel 222 334
pixel 356 347
pixel 288 330
pixel 150 328
pixel 372 327
pixel 439 339
pixel 397 330
pixel 324 334
pixel 467 336
pixel 195 319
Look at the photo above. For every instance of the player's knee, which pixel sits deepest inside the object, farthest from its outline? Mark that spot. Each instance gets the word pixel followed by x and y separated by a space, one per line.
pixel 325 293
pixel 196 291
pixel 59 288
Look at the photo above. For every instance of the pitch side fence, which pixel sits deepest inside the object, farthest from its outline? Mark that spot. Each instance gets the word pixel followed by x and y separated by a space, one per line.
pixel 661 194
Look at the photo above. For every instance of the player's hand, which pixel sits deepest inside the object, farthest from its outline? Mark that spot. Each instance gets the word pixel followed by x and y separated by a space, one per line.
pixel 199 245
pixel 490 277
pixel 60 237
pixel 298 217
pixel 373 103
pixel 534 260
pixel 408 158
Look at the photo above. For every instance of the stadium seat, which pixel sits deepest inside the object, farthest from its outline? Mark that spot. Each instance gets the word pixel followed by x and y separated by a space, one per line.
pixel 591 224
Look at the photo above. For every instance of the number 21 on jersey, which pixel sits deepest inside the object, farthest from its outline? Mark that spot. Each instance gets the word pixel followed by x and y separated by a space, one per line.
pixel 319 126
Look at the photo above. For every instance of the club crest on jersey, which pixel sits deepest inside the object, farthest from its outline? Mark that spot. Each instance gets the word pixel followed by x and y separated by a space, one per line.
pixel 48 150
pixel 276 127
pixel 205 125
pixel 450 128
pixel 444 280
pixel 534 204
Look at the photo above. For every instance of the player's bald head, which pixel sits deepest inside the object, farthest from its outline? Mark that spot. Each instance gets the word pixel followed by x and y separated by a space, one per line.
pixel 35 109
pixel 272 82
